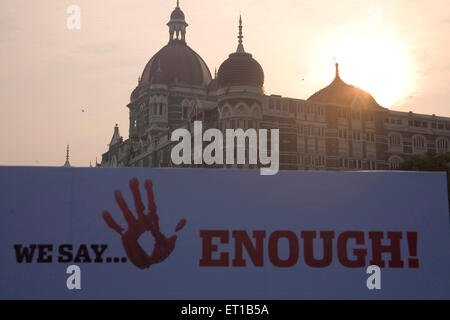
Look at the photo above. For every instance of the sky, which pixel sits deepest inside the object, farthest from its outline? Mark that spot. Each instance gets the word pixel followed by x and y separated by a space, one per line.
pixel 397 50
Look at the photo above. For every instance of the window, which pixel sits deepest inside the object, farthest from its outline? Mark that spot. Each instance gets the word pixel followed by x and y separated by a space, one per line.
pixel 185 111
pixel 395 139
pixel 321 111
pixel 320 161
pixel 442 145
pixel 356 135
pixel 394 162
pixel 300 159
pixel 419 143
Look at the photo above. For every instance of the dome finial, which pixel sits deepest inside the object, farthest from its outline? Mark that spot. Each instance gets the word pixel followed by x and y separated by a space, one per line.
pixel 240 48
pixel 337 66
pixel 178 3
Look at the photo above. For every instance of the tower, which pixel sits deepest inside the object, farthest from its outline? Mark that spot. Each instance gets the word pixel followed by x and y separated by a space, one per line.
pixel 67 163
pixel 240 88
pixel 177 25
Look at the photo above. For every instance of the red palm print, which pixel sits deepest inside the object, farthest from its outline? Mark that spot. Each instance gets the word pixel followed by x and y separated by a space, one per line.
pixel 163 246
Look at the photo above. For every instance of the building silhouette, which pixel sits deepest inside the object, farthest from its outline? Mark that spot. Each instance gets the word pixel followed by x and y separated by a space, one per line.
pixel 340 127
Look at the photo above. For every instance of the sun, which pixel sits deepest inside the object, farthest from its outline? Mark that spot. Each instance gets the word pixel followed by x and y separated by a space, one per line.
pixel 373 60
pixel 377 64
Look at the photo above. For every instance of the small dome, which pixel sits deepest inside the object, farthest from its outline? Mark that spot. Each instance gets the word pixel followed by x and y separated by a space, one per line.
pixel 240 69
pixel 341 93
pixel 177 14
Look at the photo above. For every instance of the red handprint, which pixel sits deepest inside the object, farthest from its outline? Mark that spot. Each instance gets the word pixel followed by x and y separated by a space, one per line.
pixel 163 246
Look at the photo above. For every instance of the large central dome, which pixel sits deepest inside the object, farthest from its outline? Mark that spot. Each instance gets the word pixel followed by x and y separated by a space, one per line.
pixel 176 63
pixel 179 64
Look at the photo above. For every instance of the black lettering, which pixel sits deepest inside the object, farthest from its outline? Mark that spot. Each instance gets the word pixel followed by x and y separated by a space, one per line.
pixel 24 252
pixel 44 253
pixel 83 254
pixel 99 252
pixel 65 253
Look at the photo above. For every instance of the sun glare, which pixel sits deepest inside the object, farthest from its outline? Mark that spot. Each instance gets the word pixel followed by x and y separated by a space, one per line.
pixel 374 61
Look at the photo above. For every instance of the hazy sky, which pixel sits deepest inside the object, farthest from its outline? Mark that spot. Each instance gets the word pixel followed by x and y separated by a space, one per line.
pixel 396 50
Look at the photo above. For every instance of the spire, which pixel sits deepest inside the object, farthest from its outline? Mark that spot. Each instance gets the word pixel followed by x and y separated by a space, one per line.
pixel 240 48
pixel 337 69
pixel 116 138
pixel 178 3
pixel 67 163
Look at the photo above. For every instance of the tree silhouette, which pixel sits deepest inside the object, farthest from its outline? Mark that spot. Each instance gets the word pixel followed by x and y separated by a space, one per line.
pixel 429 161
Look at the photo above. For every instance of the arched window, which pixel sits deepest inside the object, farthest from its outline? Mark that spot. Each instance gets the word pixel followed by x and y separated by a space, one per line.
pixel 419 143
pixel 395 139
pixel 442 145
pixel 185 108
pixel 394 162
